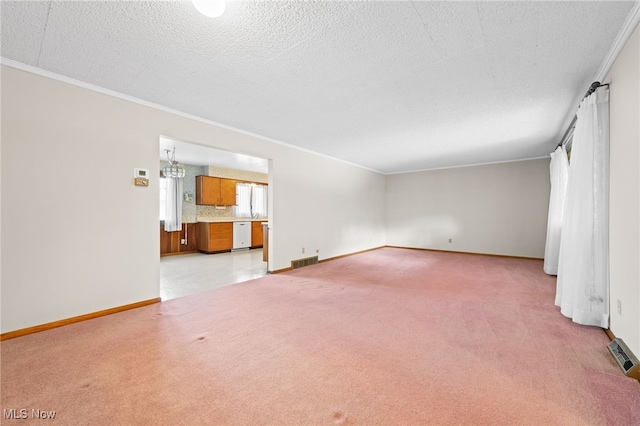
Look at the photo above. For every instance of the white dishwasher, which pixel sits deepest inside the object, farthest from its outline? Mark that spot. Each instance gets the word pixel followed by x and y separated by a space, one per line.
pixel 241 235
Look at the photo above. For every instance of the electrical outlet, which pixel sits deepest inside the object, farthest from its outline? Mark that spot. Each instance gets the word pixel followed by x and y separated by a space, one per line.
pixel 450 240
pixel 619 307
pixel 302 250
pixel 317 251
pixel 183 241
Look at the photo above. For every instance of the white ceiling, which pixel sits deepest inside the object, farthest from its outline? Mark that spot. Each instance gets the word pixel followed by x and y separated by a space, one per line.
pixel 392 86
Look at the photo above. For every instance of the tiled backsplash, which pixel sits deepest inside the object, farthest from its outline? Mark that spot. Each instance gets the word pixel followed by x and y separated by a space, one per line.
pixel 215 211
pixel 189 208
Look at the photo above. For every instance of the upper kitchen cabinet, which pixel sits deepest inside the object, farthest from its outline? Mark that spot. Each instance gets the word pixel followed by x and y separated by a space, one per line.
pixel 215 191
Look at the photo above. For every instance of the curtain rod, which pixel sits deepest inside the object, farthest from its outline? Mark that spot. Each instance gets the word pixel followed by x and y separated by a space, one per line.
pixel 592 89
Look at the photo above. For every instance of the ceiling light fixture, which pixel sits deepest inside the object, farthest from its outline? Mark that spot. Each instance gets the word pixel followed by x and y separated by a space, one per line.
pixel 173 170
pixel 210 8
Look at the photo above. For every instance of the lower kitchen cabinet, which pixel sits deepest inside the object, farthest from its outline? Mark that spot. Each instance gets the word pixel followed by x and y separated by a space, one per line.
pixel 256 234
pixel 215 236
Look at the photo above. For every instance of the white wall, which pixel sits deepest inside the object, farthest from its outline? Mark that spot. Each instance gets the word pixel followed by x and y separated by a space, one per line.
pixel 624 214
pixel 493 209
pixel 341 208
pixel 1 197
pixel 78 237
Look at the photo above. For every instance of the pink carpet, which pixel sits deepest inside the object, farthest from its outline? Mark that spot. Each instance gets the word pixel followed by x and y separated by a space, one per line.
pixel 391 337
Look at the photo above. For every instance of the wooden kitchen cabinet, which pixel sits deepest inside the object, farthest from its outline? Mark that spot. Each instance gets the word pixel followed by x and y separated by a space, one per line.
pixel 215 191
pixel 256 234
pixel 265 248
pixel 215 236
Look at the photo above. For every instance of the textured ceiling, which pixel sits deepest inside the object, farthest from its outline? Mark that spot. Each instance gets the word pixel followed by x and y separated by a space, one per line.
pixel 392 86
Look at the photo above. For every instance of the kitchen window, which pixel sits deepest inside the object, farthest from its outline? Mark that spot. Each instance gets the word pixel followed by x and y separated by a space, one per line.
pixel 251 201
pixel 243 200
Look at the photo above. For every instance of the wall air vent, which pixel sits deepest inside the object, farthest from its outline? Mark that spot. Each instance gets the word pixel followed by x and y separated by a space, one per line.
pixel 295 264
pixel 625 358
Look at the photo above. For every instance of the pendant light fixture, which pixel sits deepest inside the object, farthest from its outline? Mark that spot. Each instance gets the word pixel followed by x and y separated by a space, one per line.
pixel 210 8
pixel 173 170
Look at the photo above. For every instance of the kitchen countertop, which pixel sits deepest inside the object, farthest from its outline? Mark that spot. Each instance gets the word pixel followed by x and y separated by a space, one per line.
pixel 230 219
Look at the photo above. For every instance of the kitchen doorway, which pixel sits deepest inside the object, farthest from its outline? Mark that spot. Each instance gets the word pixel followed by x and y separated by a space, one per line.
pixel 184 269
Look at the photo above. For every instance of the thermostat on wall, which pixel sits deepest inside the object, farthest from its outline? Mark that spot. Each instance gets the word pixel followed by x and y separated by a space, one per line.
pixel 141 177
pixel 141 173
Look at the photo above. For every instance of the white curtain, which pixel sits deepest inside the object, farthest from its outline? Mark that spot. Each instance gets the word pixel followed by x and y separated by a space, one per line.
pixel 582 291
pixel 259 201
pixel 559 172
pixel 243 200
pixel 173 206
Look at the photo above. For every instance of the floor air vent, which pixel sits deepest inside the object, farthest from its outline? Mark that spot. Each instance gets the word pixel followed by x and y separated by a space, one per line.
pixel 295 264
pixel 625 358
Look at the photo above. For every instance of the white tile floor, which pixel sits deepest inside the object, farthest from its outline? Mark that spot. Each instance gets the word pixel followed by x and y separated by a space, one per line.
pixel 192 273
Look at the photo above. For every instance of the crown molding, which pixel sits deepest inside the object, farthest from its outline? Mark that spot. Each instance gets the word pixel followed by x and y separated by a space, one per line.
pixel 462 166
pixel 48 74
pixel 623 36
